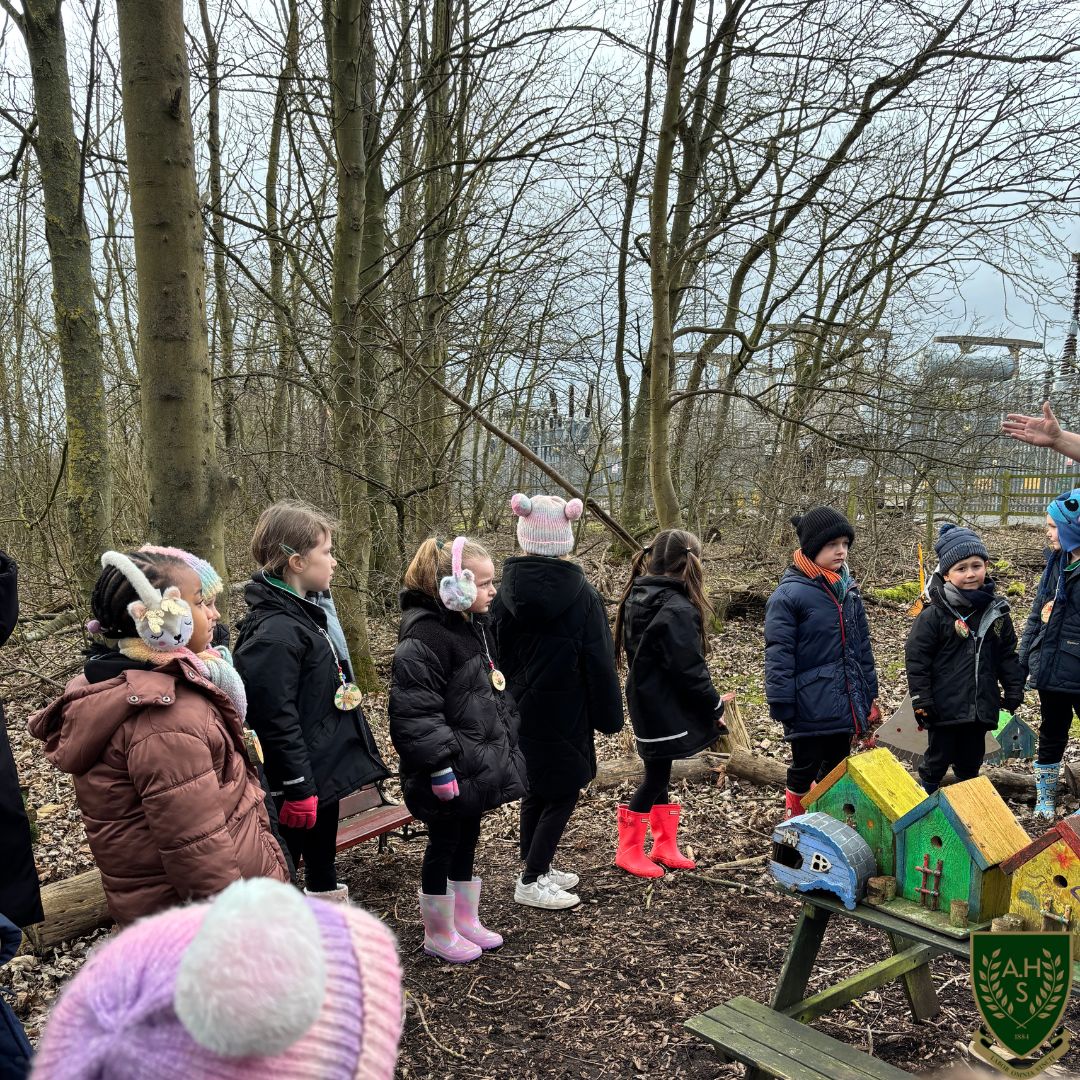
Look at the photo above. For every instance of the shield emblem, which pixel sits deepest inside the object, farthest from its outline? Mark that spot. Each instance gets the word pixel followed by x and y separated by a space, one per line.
pixel 1021 983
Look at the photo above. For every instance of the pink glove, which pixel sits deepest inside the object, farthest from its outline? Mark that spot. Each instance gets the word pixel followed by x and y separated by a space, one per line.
pixel 299 813
pixel 445 786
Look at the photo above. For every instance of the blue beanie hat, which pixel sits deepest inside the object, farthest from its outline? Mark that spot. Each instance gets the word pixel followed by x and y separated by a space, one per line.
pixel 956 543
pixel 1065 513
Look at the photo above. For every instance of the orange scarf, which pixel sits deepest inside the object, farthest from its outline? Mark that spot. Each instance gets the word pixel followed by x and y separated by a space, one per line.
pixel 812 570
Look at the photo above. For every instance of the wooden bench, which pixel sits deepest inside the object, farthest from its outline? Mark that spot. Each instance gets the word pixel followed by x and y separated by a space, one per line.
pixel 773 1045
pixel 366 814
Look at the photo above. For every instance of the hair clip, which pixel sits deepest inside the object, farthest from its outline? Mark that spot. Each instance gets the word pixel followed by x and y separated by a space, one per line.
pixel 288 550
pixel 439 545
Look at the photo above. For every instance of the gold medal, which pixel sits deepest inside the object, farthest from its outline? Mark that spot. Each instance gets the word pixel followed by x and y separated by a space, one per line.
pixel 253 747
pixel 962 628
pixel 348 697
pixel 498 679
pixel 1047 610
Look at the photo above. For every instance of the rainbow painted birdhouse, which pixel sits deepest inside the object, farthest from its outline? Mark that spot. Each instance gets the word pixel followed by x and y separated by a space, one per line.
pixel 1045 879
pixel 869 792
pixel 951 847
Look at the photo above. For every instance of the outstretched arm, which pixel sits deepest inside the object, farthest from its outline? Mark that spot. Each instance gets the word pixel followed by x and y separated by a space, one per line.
pixel 1042 430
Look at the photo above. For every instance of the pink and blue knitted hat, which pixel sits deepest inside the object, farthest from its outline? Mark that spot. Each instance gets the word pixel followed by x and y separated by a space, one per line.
pixel 545 523
pixel 261 981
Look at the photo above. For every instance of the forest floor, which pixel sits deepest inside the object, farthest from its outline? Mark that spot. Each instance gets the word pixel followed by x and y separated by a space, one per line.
pixel 601 990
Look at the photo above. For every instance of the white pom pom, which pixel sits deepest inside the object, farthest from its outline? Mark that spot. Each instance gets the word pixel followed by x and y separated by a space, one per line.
pixel 253 979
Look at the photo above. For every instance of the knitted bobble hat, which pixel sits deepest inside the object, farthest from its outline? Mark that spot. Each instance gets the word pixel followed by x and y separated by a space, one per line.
pixel 545 523
pixel 260 981
pixel 818 526
pixel 1065 512
pixel 956 543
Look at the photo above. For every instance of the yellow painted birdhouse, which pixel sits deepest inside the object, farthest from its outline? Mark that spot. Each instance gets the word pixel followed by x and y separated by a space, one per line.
pixel 1046 879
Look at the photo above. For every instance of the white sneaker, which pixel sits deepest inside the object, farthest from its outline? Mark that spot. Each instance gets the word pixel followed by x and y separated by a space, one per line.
pixel 544 893
pixel 564 879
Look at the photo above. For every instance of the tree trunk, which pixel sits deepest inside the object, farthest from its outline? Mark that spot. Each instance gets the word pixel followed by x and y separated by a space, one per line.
pixel 186 505
pixel 89 477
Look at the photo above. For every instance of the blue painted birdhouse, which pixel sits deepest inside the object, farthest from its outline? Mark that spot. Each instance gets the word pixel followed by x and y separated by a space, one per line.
pixel 815 851
pixel 1017 739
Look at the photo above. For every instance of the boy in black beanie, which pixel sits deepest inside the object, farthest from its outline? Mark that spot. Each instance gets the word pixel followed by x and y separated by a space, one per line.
pixel 820 677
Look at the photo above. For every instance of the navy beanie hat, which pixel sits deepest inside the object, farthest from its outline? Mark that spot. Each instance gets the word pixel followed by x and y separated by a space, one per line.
pixel 956 543
pixel 818 526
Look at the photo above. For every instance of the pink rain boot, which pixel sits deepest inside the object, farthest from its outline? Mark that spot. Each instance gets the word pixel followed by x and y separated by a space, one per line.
pixel 664 822
pixel 440 937
pixel 466 917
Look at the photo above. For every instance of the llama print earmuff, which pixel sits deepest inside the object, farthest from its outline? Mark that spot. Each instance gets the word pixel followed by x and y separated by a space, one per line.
pixel 457 590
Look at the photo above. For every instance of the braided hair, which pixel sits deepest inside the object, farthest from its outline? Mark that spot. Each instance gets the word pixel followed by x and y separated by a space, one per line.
pixel 113 592
pixel 673 553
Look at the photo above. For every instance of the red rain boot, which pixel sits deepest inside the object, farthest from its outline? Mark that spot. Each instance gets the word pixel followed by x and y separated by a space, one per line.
pixel 793 806
pixel 631 855
pixel 664 822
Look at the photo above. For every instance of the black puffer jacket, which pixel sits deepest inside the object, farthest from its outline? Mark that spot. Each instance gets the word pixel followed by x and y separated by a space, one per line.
pixel 445 713
pixel 556 651
pixel 673 704
pixel 311 747
pixel 1054 658
pixel 958 679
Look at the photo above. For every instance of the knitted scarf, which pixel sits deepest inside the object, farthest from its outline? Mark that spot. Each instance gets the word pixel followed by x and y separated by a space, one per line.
pixel 210 664
pixel 838 583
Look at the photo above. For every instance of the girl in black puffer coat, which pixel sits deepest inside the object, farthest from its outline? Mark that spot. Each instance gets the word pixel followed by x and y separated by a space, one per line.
pixel 962 666
pixel 673 704
pixel 455 727
pixel 559 659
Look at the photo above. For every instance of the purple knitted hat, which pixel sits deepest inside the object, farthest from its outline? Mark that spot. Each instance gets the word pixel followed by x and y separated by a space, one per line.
pixel 260 981
pixel 544 523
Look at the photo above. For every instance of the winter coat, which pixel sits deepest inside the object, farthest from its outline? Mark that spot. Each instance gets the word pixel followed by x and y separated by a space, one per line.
pixel 287 664
pixel 1053 656
pixel 1031 638
pixel 15 1049
pixel 820 677
pixel 171 804
pixel 672 702
pixel 20 894
pixel 445 712
pixel 556 651
pixel 957 679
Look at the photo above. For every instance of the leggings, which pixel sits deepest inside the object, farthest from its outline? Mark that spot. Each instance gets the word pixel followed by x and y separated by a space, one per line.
pixel 653 789
pixel 542 825
pixel 1057 713
pixel 813 757
pixel 317 846
pixel 450 852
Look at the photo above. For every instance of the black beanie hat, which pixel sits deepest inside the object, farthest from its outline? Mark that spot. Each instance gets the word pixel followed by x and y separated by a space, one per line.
pixel 818 526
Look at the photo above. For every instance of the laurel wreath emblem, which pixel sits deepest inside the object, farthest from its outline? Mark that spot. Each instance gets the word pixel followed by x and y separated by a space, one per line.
pixel 1043 1004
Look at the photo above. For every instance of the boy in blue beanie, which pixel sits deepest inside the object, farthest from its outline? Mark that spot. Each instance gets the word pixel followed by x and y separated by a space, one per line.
pixel 962 665
pixel 1050 651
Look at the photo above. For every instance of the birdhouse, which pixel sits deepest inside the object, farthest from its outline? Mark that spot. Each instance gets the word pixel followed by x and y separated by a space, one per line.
pixel 869 792
pixel 815 851
pixel 951 847
pixel 1016 738
pixel 902 735
pixel 1045 879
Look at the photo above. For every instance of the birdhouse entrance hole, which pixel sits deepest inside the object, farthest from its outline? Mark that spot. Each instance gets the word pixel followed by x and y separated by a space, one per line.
pixel 786 855
pixel 935 841
pixel 1060 881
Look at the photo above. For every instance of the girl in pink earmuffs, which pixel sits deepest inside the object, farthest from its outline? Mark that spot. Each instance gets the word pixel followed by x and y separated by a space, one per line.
pixel 455 727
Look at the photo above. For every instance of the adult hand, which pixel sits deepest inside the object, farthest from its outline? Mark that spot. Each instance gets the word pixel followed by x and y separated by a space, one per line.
pixel 299 813
pixel 1041 430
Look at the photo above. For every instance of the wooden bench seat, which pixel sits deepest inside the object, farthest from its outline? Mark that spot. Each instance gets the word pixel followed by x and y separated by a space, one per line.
pixel 366 814
pixel 771 1044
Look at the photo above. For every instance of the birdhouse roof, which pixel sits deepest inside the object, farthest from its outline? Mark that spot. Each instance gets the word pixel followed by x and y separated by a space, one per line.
pixel 1067 829
pixel 980 818
pixel 884 781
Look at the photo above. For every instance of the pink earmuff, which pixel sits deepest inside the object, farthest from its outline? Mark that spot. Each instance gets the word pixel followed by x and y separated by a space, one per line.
pixel 457 590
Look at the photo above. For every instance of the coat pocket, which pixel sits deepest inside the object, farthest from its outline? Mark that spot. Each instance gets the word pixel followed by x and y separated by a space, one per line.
pixel 814 693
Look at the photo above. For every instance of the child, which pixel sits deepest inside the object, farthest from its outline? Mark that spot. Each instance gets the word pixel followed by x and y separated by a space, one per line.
pixel 456 729
pixel 820 678
pixel 961 659
pixel 15 1051
pixel 1050 651
pixel 171 804
pixel 673 705
pixel 260 982
pixel 559 659
pixel 304 705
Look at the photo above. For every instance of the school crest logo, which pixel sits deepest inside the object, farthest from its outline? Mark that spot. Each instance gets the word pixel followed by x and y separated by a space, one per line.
pixel 1021 983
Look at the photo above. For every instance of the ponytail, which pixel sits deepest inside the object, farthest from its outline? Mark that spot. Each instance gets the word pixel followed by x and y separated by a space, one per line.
pixel 637 568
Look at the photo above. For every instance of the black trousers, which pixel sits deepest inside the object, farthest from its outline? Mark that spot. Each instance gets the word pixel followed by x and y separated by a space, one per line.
pixel 317 846
pixel 450 852
pixel 813 757
pixel 1057 713
pixel 960 745
pixel 653 789
pixel 543 822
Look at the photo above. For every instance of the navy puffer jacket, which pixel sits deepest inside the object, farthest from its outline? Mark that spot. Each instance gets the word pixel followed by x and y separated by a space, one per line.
pixel 820 677
pixel 1058 665
pixel 1031 638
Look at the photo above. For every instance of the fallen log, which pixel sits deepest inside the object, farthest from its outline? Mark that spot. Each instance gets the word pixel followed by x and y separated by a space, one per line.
pixel 73 907
pixel 764 771
pixel 610 774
